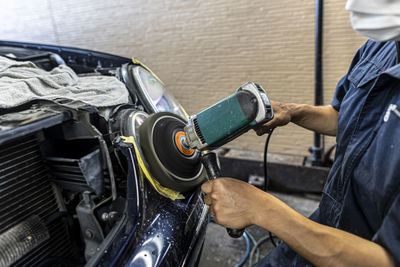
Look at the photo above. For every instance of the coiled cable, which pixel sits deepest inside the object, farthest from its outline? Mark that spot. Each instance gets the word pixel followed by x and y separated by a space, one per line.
pixel 247 253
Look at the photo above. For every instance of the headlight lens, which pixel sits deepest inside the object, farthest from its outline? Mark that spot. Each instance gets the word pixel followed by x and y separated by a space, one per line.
pixel 157 96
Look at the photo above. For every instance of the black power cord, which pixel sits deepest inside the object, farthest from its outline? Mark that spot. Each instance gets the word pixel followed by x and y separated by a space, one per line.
pixel 266 181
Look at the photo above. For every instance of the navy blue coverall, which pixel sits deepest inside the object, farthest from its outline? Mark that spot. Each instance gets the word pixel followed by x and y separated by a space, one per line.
pixel 362 192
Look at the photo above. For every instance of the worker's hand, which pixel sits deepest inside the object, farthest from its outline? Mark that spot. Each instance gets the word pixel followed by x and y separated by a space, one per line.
pixel 282 116
pixel 233 203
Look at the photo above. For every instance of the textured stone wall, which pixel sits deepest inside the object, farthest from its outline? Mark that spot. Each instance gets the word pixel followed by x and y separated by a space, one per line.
pixel 202 49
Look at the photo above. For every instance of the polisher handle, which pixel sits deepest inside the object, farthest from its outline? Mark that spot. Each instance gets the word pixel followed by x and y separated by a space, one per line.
pixel 210 162
pixel 235 233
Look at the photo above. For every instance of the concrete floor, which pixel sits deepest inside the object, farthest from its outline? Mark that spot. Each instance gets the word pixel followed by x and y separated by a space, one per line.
pixel 223 251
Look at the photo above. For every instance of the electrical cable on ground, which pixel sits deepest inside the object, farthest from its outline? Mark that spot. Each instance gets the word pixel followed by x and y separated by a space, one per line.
pixel 253 240
pixel 261 241
pixel 247 253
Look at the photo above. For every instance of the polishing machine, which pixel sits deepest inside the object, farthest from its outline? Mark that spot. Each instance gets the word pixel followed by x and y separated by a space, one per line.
pixel 179 150
pixel 215 126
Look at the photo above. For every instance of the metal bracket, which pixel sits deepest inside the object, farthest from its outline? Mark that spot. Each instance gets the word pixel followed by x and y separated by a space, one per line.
pixel 90 227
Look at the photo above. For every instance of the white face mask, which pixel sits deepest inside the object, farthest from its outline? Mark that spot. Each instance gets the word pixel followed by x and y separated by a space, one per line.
pixel 376 19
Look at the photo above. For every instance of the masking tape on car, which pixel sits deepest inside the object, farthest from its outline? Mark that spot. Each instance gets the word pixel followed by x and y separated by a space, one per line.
pixel 137 62
pixel 164 191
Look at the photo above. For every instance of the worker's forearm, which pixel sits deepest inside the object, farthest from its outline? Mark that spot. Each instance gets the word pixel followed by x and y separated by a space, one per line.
pixel 321 119
pixel 320 244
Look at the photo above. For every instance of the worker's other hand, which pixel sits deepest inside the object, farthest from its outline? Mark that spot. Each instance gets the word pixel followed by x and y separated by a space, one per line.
pixel 233 203
pixel 282 116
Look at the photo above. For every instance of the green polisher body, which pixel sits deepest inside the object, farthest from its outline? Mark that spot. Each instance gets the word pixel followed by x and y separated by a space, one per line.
pixel 224 121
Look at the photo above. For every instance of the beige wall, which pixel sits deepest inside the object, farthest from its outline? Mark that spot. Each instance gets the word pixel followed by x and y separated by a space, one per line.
pixel 203 49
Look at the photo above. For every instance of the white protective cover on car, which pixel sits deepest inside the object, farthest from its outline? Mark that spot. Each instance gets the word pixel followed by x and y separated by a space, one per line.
pixel 21 82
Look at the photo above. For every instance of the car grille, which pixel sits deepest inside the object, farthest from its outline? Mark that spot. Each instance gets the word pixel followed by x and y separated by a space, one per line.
pixel 26 190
